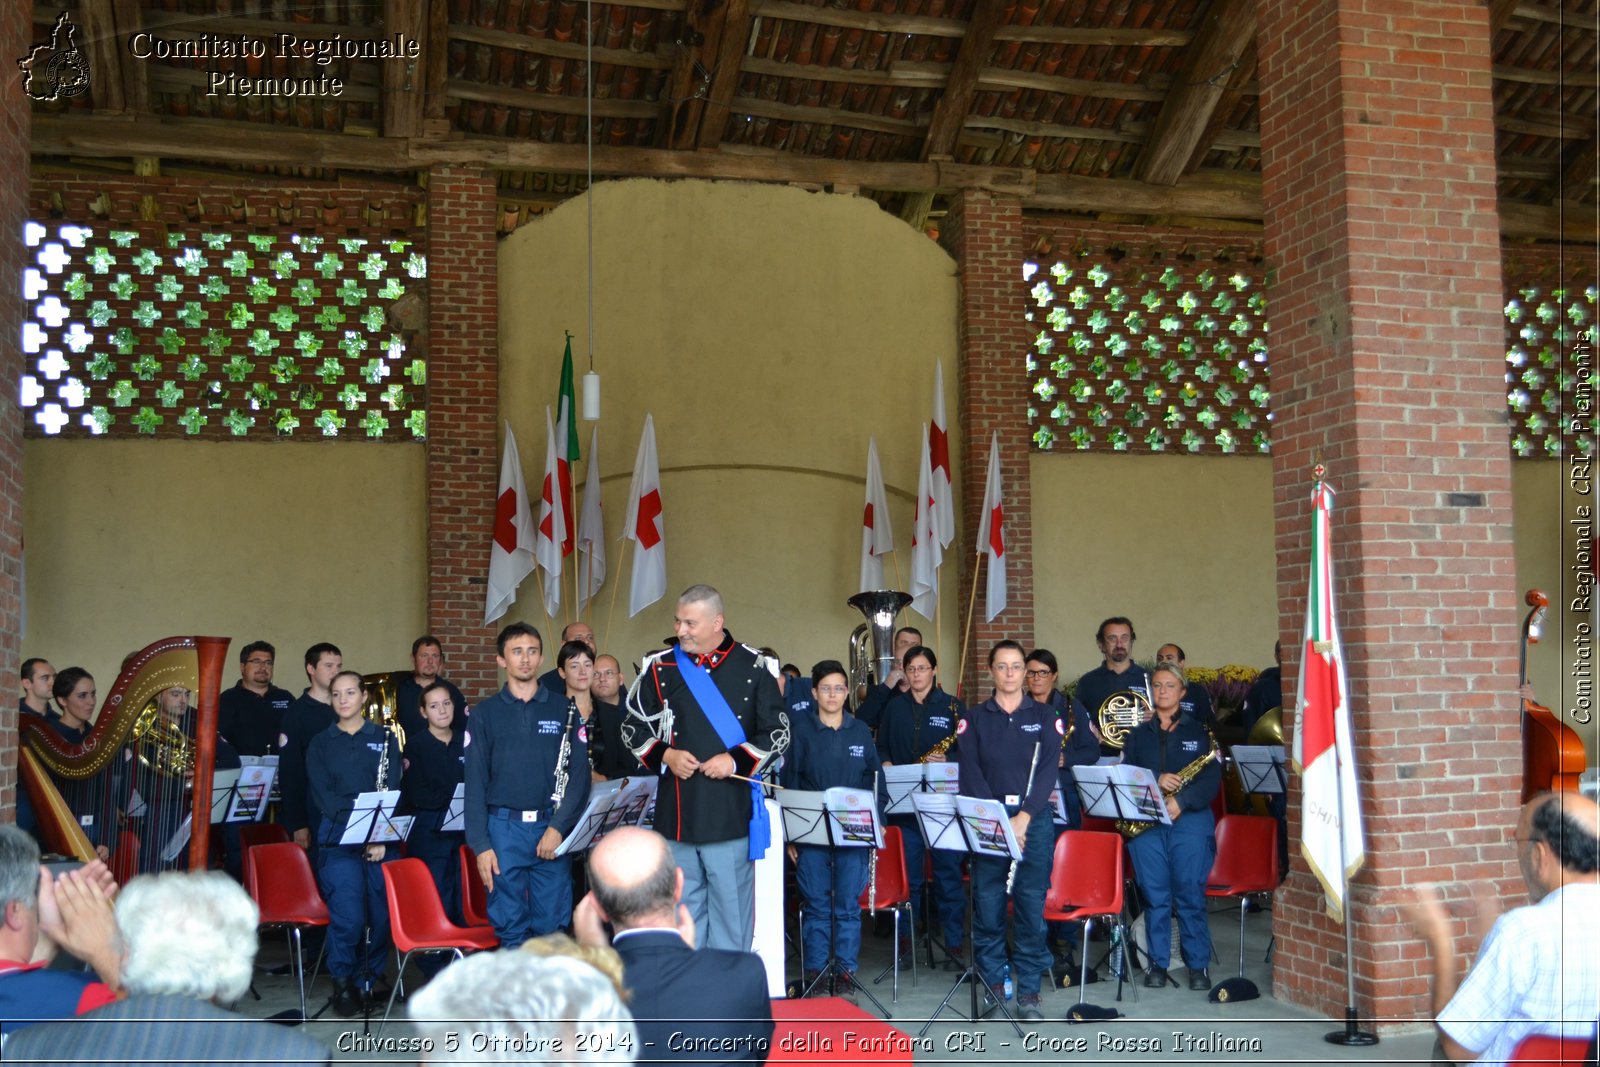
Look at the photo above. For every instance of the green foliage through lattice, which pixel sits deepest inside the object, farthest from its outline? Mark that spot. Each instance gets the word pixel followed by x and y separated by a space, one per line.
pixel 244 334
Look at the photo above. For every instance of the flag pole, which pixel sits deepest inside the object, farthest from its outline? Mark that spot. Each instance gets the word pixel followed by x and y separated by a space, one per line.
pixel 898 584
pixel 966 636
pixel 1352 1034
pixel 611 612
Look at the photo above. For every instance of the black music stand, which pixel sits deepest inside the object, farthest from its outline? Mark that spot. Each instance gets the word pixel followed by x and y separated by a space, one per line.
pixel 819 820
pixel 901 783
pixel 943 826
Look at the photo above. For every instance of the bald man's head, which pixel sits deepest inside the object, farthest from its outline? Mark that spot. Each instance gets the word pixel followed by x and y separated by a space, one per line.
pixel 634 879
pixel 1558 839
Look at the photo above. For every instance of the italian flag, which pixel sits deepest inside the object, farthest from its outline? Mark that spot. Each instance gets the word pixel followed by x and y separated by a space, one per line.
pixel 566 448
pixel 1330 815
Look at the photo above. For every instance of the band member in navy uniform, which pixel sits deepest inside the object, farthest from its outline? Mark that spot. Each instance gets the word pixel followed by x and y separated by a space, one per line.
pixel 309 715
pixel 434 767
pixel 918 725
pixel 527 782
pixel 705 711
pixel 1117 673
pixel 827 749
pixel 1008 750
pixel 1171 862
pixel 1082 747
pixel 351 757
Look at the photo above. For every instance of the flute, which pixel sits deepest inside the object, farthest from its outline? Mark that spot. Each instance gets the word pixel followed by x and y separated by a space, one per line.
pixel 1033 768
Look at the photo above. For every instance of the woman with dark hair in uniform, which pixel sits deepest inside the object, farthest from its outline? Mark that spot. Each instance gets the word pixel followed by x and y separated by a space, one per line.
pixel 89 798
pixel 434 767
pixel 351 757
pixel 575 665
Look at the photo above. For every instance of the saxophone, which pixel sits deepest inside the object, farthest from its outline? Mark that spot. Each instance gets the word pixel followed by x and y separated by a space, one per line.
pixel 943 747
pixel 1131 829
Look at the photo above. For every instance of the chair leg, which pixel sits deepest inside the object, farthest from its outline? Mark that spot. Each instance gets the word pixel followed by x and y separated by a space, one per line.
pixel 298 962
pixel 1083 968
pixel 1243 901
pixel 911 943
pixel 393 993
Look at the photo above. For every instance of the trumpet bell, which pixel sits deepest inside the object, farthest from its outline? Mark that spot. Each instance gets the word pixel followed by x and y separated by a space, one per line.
pixel 1268 730
pixel 1119 713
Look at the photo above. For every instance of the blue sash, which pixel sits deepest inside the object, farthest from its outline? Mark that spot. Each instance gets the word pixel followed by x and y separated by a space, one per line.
pixel 726 724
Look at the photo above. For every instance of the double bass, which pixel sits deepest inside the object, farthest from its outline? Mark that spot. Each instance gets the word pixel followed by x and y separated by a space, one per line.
pixel 1552 752
pixel 44 757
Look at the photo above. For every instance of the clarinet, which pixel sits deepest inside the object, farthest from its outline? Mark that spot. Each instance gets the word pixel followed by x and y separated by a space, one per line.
pixel 872 860
pixel 382 784
pixel 563 755
pixel 1033 767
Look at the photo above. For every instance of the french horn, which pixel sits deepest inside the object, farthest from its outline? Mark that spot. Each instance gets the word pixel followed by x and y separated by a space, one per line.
pixel 1119 713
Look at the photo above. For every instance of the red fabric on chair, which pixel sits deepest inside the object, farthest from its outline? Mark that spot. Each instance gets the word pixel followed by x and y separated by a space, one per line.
pixel 278 878
pixel 1246 863
pixel 1552 1050
pixel 252 834
pixel 1095 824
pixel 1086 883
pixel 474 897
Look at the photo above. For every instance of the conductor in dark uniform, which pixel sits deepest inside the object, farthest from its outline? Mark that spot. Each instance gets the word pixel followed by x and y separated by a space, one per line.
pixel 1171 862
pixel 527 781
pixel 1008 750
pixel 704 711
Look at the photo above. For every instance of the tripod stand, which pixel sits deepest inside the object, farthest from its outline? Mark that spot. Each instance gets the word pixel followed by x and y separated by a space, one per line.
pixel 833 969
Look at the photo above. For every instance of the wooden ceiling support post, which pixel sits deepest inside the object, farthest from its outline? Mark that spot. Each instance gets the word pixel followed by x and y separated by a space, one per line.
pixel 729 52
pixel 404 79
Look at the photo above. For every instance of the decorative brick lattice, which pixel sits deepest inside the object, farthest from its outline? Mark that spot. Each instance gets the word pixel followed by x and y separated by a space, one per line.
pixel 1148 352
pixel 1550 299
pixel 151 330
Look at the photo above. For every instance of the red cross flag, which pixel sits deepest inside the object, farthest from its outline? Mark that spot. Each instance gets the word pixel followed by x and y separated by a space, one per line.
pixel 511 545
pixel 992 537
pixel 643 526
pixel 944 509
pixel 926 552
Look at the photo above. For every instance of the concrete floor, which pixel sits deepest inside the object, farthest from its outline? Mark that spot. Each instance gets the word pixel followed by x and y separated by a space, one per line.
pixel 1171 1025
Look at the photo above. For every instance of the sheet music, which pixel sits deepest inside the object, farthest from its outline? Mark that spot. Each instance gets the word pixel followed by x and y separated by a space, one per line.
pixel 587 830
pixel 936 815
pixel 179 840
pixel 1260 767
pixel 371 810
pixel 901 780
pixel 943 777
pixel 137 808
pixel 455 813
pixel 249 801
pixel 988 828
pixel 853 814
pixel 1121 792
pixel 805 819
pixel 222 790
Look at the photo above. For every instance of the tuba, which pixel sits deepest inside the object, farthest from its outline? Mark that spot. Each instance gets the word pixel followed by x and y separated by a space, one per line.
pixel 881 607
pixel 383 702
pixel 1119 713
pixel 46 759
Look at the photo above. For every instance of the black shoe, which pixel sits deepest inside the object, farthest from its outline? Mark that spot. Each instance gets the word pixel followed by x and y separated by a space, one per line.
pixel 1200 980
pixel 844 985
pixel 1029 1010
pixel 346 1000
pixel 1157 978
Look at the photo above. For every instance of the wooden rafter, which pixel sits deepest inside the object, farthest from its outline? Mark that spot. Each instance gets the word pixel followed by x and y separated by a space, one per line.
pixel 544 46
pixel 402 79
pixel 932 26
pixel 732 35
pixel 221 141
pixel 683 100
pixel 135 83
pixel 1209 64
pixel 1580 169
pixel 977 46
pixel 99 40
pixel 436 68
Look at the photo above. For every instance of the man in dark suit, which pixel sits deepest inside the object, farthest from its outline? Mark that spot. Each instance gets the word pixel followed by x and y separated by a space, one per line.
pixel 189 943
pixel 708 1006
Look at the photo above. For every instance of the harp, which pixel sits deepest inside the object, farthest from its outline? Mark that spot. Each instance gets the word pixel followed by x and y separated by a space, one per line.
pixel 106 757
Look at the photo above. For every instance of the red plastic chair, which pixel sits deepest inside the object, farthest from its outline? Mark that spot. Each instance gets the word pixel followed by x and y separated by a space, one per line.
pixel 1246 865
pixel 474 897
pixel 1552 1050
pixel 1094 824
pixel 894 895
pixel 262 833
pixel 1086 883
pixel 278 878
pixel 417 921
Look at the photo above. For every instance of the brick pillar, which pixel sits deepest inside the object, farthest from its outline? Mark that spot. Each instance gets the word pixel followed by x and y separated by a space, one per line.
pixel 1388 361
pixel 15 126
pixel 984 234
pixel 463 418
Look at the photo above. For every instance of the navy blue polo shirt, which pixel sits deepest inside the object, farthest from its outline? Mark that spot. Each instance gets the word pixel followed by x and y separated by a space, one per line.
pixel 252 723
pixel 820 757
pixel 306 718
pixel 996 751
pixel 433 770
pixel 339 766
pixel 1170 751
pixel 408 705
pixel 511 747
pixel 907 729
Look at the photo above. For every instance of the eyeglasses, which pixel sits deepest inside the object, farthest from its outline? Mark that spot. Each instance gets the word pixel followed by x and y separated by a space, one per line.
pixel 833 690
pixel 923 669
pixel 258 662
pixel 1036 673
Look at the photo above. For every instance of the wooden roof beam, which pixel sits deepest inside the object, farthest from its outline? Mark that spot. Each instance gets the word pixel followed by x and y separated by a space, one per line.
pixel 931 26
pixel 683 100
pixel 99 40
pixel 977 46
pixel 1582 165
pixel 402 79
pixel 733 34
pixel 1209 64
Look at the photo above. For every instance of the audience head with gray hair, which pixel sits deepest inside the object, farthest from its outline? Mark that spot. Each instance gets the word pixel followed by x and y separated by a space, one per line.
pixel 19 893
pixel 189 935
pixel 514 1007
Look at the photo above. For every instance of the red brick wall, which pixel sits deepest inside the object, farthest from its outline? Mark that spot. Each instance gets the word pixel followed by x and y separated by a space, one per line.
pixel 463 419
pixel 1388 364
pixel 15 127
pixel 984 234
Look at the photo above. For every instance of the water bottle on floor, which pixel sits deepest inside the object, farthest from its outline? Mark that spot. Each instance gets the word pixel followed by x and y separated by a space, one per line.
pixel 1008 986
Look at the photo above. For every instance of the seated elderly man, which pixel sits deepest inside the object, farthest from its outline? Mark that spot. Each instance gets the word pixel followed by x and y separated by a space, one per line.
pixel 518 1007
pixel 1538 970
pixel 42 914
pixel 188 945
